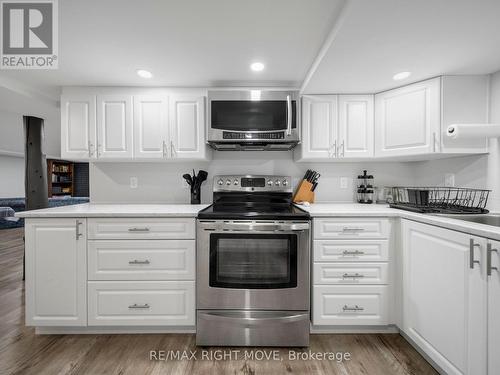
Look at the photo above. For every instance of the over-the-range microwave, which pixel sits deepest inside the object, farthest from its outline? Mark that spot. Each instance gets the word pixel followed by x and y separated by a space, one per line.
pixel 253 120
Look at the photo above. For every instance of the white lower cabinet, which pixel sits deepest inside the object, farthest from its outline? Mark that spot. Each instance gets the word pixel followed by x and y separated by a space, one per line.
pixel 56 282
pixel 115 277
pixel 493 265
pixel 141 303
pixel 444 296
pixel 350 305
pixel 141 260
pixel 351 271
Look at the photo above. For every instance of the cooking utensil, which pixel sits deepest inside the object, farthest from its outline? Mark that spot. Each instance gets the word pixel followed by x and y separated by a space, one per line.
pixel 188 179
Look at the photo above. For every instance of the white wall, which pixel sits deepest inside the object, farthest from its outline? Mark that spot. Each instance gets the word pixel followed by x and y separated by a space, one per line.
pixel 162 183
pixel 493 169
pixel 11 177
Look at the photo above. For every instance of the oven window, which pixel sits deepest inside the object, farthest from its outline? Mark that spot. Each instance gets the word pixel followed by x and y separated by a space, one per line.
pixel 253 261
pixel 265 115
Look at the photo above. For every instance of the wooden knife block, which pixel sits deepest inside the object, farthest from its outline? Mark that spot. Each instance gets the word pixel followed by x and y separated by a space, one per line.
pixel 304 193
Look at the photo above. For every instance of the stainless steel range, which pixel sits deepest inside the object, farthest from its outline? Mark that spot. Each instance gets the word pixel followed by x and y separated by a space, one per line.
pixel 253 265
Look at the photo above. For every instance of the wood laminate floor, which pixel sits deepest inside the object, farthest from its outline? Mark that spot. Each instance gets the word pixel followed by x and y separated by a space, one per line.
pixel 23 352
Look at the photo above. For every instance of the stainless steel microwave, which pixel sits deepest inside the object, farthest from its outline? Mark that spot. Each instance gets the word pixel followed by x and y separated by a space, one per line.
pixel 253 119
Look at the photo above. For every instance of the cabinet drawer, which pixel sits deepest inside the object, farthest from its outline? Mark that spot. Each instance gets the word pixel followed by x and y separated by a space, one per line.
pixel 141 228
pixel 351 228
pixel 141 303
pixel 350 251
pixel 350 305
pixel 350 273
pixel 141 260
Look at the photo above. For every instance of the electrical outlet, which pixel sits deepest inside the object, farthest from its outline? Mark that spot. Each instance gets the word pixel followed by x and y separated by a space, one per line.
pixel 344 182
pixel 449 179
pixel 134 182
pixel 185 185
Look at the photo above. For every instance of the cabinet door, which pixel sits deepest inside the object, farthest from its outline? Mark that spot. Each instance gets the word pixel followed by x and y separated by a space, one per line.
pixel 187 127
pixel 56 267
pixel 494 309
pixel 150 126
pixel 356 126
pixel 319 127
pixel 407 120
pixel 114 126
pixel 78 127
pixel 444 289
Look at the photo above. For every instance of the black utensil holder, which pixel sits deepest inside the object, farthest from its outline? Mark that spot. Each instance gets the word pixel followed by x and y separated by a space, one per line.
pixel 196 196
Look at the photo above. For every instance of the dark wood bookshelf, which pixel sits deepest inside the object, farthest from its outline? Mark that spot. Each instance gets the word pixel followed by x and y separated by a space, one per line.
pixel 60 176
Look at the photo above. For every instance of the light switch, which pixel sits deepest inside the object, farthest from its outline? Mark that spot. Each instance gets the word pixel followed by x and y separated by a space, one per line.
pixel 134 182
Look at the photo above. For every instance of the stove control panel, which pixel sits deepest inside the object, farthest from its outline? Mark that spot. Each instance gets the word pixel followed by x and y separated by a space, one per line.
pixel 253 183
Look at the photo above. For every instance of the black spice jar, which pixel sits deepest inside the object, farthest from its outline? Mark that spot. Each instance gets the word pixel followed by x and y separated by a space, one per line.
pixel 365 191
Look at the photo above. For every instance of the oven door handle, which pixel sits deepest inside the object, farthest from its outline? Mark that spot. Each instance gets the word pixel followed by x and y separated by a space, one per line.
pixel 288 115
pixel 266 227
pixel 228 317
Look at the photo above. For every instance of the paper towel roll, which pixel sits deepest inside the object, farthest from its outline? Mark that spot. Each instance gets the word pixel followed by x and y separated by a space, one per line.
pixel 470 131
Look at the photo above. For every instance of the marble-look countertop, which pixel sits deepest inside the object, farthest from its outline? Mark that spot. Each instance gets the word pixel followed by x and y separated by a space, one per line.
pixel 316 210
pixel 116 210
pixel 381 210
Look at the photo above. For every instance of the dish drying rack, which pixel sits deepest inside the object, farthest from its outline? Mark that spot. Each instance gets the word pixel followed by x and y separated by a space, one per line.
pixel 440 199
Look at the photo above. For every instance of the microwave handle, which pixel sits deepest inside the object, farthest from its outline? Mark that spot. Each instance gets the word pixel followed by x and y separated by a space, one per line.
pixel 288 115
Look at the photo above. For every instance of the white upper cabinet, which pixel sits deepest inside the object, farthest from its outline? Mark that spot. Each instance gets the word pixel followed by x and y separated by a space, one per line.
pixel 336 127
pixel 150 126
pixel 355 135
pixel 78 127
pixel 114 126
pixel 187 127
pixel 412 120
pixel 111 124
pixel 444 289
pixel 319 127
pixel 407 120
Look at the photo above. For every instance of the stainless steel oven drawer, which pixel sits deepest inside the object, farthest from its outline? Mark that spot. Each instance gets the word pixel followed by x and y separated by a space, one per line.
pixel 252 328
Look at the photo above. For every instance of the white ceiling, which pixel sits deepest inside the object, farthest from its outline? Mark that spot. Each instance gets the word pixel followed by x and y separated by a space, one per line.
pixel 186 42
pixel 212 42
pixel 379 38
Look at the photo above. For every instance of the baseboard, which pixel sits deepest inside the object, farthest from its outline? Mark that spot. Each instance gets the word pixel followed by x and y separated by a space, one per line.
pixel 354 329
pixel 422 353
pixel 112 330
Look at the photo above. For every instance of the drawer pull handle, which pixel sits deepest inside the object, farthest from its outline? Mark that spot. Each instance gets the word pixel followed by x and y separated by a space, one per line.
pixel 354 253
pixel 352 276
pixel 352 229
pixel 135 261
pixel 352 308
pixel 145 229
pixel 136 306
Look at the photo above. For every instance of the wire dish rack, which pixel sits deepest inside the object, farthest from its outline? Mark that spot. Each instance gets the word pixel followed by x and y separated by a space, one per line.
pixel 440 199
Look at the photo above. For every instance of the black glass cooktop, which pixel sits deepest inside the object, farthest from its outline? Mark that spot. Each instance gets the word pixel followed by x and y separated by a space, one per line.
pixel 253 206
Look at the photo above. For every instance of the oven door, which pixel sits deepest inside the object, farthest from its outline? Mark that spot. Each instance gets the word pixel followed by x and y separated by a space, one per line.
pixel 253 265
pixel 253 116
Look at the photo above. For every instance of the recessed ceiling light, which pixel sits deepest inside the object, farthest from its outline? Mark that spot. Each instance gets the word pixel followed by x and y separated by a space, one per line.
pixel 401 75
pixel 144 73
pixel 257 66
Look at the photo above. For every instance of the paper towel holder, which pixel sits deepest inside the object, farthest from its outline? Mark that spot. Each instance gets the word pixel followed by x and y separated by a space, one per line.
pixel 485 130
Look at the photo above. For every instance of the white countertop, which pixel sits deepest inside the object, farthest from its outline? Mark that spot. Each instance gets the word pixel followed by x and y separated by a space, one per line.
pixel 116 210
pixel 315 210
pixel 381 210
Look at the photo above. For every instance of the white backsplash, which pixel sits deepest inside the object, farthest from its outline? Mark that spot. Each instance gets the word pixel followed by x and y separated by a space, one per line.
pixel 163 183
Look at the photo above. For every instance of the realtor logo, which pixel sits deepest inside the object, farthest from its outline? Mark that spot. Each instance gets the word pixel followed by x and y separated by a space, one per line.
pixel 29 34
